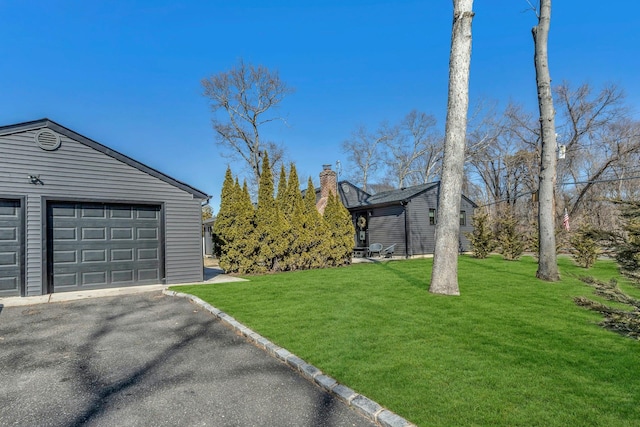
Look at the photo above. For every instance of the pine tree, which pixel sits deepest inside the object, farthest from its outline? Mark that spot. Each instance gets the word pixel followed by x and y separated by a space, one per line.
pixel 293 206
pixel 225 221
pixel 584 247
pixel 271 227
pixel 482 239
pixel 246 246
pixel 318 251
pixel 341 232
pixel 282 190
pixel 510 241
pixel 627 246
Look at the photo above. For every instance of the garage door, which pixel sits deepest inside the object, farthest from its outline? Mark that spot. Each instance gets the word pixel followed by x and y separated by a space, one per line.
pixel 10 247
pixel 95 245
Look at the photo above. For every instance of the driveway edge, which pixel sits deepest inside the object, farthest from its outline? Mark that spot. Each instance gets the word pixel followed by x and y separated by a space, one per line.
pixel 361 404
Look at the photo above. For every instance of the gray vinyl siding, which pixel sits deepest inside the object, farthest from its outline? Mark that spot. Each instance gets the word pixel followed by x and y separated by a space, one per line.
pixel 35 244
pixel 468 207
pixel 77 172
pixel 422 235
pixel 386 226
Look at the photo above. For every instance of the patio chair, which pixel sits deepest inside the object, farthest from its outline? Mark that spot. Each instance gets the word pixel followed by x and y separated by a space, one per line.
pixel 388 252
pixel 374 248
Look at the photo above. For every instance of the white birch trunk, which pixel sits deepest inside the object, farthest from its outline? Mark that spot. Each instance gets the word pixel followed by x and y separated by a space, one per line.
pixel 444 277
pixel 547 261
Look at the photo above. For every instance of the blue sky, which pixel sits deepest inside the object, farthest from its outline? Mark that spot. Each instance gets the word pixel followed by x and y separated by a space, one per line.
pixel 127 73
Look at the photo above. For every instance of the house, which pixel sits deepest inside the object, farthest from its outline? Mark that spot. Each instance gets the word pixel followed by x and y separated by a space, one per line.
pixel 405 217
pixel 75 214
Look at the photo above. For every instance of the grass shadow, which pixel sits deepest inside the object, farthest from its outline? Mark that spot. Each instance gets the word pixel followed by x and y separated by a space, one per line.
pixel 420 282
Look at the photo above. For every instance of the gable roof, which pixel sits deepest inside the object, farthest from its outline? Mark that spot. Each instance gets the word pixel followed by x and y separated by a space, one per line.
pixel 400 195
pixel 50 124
pixel 366 200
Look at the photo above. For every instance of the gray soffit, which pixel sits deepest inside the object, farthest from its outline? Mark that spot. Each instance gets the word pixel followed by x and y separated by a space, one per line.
pixel 49 124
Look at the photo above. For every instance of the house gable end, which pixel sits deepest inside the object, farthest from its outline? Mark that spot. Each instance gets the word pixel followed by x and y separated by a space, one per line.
pixel 49 124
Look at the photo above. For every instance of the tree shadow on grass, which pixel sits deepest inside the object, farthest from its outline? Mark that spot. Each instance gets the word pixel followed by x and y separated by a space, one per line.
pixel 420 282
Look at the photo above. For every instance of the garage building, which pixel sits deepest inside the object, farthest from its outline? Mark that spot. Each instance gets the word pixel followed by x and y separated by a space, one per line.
pixel 75 215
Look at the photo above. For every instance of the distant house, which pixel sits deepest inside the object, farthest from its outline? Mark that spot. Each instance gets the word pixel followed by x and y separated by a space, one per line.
pixel 404 217
pixel 207 236
pixel 75 214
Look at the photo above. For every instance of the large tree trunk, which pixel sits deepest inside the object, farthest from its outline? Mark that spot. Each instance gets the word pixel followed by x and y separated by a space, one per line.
pixel 547 261
pixel 444 277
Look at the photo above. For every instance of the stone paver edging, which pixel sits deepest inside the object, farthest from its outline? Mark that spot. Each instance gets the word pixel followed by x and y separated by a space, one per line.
pixel 358 402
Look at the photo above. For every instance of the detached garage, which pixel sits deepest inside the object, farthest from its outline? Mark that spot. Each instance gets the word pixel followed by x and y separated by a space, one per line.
pixel 76 215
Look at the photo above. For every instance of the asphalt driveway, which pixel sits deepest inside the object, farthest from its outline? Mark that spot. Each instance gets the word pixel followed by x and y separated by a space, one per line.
pixel 147 359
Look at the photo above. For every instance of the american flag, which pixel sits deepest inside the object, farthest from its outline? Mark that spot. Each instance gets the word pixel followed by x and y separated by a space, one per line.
pixel 565 220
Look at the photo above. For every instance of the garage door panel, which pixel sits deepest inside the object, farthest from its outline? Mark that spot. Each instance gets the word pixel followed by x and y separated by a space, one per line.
pixel 64 280
pixel 121 212
pixel 148 274
pixel 123 276
pixel 64 211
pixel 121 233
pixel 65 257
pixel 94 233
pixel 93 211
pixel 151 254
pixel 9 285
pixel 104 245
pixel 121 255
pixel 147 213
pixel 9 234
pixel 94 255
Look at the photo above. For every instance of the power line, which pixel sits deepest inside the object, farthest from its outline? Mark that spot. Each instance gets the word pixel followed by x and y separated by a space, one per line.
pixel 526 193
pixel 598 180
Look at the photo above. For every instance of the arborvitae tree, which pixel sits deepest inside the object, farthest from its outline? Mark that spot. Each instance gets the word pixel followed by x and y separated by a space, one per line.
pixel 229 260
pixel 318 252
pixel 246 245
pixel 293 206
pixel 482 239
pixel 584 248
pixel 225 221
pixel 340 230
pixel 282 190
pixel 271 226
pixel 510 241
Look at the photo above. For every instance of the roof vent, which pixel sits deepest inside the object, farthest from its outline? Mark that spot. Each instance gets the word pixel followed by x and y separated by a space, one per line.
pixel 47 140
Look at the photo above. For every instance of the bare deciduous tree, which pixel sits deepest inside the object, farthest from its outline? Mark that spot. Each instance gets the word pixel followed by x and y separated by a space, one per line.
pixel 363 150
pixel 243 100
pixel 414 151
pixel 444 276
pixel 600 140
pixel 501 161
pixel 547 259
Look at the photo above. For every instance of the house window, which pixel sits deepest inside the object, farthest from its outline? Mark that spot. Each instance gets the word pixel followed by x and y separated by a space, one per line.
pixel 432 217
pixel 463 218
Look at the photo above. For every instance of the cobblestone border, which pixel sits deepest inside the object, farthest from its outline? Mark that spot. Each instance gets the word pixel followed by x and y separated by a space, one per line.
pixel 361 404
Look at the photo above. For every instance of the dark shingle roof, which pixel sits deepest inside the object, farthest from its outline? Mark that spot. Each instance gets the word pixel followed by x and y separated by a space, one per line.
pixel 392 196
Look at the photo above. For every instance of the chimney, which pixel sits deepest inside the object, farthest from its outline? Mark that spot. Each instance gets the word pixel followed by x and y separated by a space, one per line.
pixel 328 185
pixel 328 181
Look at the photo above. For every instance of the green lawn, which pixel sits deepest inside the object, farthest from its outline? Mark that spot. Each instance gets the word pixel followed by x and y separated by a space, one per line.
pixel 511 350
